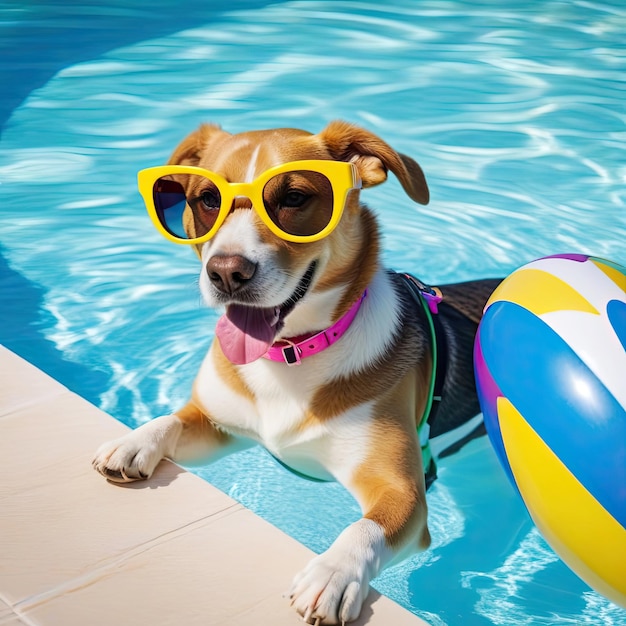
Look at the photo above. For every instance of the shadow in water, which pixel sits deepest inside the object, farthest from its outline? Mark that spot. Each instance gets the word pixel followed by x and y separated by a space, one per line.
pixel 22 319
pixel 39 39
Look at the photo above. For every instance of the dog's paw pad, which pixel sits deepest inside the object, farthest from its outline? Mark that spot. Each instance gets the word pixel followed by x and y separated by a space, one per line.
pixel 120 475
pixel 326 595
pixel 125 461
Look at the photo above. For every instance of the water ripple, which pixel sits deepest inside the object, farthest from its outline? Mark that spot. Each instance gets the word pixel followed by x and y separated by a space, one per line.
pixel 516 113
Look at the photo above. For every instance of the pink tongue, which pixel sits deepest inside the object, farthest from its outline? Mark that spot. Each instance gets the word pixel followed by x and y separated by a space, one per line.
pixel 245 334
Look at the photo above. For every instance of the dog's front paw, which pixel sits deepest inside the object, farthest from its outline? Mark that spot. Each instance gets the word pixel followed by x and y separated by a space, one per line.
pixel 331 589
pixel 329 593
pixel 126 459
pixel 136 455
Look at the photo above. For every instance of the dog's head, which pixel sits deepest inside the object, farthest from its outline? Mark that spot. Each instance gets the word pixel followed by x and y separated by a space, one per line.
pixel 263 264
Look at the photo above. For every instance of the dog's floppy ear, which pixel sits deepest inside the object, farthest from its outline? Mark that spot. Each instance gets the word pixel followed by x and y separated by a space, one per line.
pixel 190 149
pixel 373 157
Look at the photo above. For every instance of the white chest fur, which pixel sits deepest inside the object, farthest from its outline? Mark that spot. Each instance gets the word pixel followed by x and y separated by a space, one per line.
pixel 279 416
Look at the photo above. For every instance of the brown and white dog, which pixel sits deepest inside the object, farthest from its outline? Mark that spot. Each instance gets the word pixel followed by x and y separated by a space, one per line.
pixel 347 413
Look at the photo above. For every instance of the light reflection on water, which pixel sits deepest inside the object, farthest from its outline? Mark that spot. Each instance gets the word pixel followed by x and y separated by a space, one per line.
pixel 516 114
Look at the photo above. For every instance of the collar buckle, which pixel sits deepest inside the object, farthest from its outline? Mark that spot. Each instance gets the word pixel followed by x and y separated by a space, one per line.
pixel 291 354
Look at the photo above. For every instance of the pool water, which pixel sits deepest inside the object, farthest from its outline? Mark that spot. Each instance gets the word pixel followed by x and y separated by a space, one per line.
pixel 515 110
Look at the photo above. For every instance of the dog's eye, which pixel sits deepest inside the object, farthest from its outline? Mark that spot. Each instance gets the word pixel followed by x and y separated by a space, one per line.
pixel 294 199
pixel 210 200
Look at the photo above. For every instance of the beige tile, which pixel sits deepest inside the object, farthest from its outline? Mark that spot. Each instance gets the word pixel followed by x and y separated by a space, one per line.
pixel 22 384
pixel 5 611
pixel 230 570
pixel 8 616
pixel 12 620
pixel 59 517
pixel 59 531
pixel 210 573
pixel 76 550
pixel 51 441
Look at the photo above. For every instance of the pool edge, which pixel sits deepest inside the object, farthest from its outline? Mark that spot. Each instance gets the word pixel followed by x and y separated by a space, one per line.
pixel 77 549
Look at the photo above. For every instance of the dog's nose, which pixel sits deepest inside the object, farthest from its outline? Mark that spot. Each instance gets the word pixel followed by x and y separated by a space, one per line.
pixel 230 273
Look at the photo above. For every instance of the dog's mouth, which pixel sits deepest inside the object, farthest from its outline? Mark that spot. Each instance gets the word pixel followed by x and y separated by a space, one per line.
pixel 246 333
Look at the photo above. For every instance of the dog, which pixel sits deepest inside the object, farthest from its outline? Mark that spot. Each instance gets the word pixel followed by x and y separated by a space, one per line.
pixel 340 368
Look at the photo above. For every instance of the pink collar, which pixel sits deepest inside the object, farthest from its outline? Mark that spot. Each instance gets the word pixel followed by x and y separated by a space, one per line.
pixel 292 352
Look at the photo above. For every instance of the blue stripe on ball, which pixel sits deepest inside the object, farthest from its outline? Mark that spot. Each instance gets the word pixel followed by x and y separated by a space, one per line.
pixel 616 310
pixel 560 398
pixel 488 394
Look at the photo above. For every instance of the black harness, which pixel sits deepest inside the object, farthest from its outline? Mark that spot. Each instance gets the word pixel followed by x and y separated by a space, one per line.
pixel 427 299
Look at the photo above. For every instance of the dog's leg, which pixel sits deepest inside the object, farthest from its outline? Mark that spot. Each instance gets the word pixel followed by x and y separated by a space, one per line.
pixel 390 488
pixel 334 585
pixel 187 435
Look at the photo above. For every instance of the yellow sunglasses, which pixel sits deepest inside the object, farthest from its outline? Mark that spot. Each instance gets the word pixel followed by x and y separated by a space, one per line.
pixel 300 201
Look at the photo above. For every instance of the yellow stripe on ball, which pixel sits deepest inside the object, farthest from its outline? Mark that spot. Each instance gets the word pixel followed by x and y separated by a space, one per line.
pixel 573 522
pixel 540 292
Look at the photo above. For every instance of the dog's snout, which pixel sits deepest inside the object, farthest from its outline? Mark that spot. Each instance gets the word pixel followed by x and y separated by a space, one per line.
pixel 230 273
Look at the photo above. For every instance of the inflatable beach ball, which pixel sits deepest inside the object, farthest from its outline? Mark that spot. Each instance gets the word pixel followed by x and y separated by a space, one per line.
pixel 550 362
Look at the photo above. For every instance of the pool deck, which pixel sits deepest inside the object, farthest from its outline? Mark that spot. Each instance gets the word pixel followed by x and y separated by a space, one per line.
pixel 76 549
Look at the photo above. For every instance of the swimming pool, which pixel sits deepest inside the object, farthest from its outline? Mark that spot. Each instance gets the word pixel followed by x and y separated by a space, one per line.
pixel 515 111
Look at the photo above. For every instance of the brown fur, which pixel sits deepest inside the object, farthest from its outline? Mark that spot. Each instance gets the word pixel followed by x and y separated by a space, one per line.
pixel 374 157
pixel 355 260
pixel 386 480
pixel 410 350
pixel 229 374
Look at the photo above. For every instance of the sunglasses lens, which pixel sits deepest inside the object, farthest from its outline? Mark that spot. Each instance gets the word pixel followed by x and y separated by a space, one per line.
pixel 170 202
pixel 299 202
pixel 173 193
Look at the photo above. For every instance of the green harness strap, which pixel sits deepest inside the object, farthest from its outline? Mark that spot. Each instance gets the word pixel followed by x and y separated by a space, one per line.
pixel 429 298
pixel 423 427
pixel 425 295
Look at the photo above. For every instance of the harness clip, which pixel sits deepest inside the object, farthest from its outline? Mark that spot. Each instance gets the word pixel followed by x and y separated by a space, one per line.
pixel 433 297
